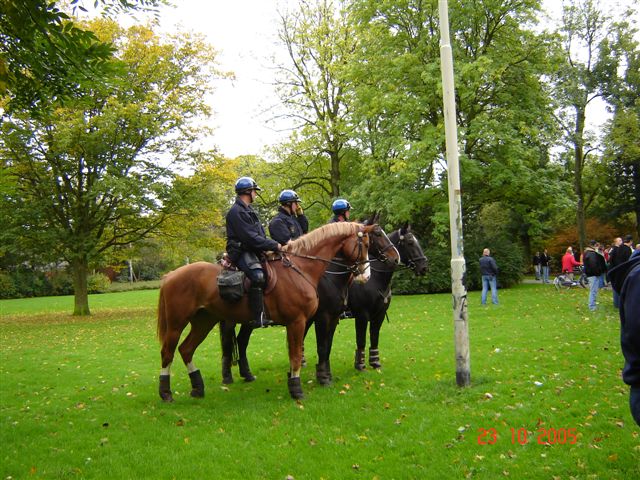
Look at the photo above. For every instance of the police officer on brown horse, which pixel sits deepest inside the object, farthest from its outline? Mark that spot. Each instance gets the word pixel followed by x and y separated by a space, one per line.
pixel 246 242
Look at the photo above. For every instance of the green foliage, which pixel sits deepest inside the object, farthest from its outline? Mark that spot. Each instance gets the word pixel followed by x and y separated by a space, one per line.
pixel 61 283
pixel 539 360
pixel 98 283
pixel 7 286
pixel 93 173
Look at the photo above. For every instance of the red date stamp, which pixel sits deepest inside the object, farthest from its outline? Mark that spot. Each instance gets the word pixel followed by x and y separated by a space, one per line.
pixel 543 436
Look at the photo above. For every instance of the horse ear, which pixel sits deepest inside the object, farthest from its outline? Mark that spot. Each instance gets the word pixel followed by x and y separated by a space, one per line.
pixel 376 218
pixel 368 221
pixel 405 228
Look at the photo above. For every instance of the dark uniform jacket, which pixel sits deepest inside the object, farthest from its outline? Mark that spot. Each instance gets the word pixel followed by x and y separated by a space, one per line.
pixel 488 265
pixel 284 227
pixel 594 263
pixel 245 232
pixel 625 279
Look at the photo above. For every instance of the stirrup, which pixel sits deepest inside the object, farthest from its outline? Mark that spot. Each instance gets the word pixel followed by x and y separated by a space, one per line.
pixel 264 322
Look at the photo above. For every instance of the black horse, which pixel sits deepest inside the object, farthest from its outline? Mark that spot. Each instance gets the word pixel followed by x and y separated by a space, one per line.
pixel 367 302
pixel 370 301
pixel 332 292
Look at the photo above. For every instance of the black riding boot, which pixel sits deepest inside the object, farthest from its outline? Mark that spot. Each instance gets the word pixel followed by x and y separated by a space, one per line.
pixel 257 308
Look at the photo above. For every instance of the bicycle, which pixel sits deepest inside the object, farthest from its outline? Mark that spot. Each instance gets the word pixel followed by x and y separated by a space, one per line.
pixel 564 282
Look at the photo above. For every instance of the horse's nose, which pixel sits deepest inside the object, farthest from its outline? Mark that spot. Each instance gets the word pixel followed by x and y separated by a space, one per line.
pixel 397 256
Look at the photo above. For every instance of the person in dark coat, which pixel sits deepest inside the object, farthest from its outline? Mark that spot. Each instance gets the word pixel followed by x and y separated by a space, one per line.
pixel 545 263
pixel 290 221
pixel 625 279
pixel 341 210
pixel 620 253
pixel 594 267
pixel 488 270
pixel 247 242
pixel 537 264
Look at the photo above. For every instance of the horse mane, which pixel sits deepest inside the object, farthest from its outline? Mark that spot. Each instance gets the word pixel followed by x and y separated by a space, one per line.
pixel 319 235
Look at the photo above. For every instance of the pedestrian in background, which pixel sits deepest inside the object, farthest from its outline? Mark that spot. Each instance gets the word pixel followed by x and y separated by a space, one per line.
pixel 537 262
pixel 489 271
pixel 594 267
pixel 545 263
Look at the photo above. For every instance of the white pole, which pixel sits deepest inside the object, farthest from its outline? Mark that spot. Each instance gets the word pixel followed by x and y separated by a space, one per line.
pixel 458 267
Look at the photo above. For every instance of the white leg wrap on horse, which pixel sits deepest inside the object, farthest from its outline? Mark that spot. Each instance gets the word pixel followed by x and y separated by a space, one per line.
pixel 191 368
pixel 166 370
pixel 295 373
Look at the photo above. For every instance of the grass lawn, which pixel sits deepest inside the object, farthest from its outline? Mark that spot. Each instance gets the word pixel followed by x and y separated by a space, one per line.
pixel 78 397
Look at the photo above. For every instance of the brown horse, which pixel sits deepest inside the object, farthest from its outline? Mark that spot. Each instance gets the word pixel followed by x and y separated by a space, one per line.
pixel 190 294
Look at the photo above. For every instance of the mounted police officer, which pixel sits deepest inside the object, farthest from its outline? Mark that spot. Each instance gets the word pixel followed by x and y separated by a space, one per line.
pixel 246 242
pixel 290 222
pixel 340 209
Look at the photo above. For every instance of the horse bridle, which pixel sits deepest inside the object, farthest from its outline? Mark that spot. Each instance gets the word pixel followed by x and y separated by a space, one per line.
pixel 381 254
pixel 411 261
pixel 351 269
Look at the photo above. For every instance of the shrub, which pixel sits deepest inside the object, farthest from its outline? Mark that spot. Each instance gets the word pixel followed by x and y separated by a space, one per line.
pixel 60 283
pixel 98 283
pixel 7 286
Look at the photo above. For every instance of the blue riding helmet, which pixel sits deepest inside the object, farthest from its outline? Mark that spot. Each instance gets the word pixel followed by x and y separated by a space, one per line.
pixel 244 184
pixel 287 196
pixel 340 206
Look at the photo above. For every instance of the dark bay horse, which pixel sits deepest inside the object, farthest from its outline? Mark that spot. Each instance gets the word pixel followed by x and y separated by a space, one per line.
pixel 369 302
pixel 332 292
pixel 189 295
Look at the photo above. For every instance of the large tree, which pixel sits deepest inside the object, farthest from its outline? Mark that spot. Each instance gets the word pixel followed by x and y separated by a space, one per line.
pixel 319 42
pixel 621 156
pixel 93 172
pixel 588 72
pixel 504 120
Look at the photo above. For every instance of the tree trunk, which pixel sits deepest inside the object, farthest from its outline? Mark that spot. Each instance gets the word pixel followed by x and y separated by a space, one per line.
pixel 578 143
pixel 335 173
pixel 80 267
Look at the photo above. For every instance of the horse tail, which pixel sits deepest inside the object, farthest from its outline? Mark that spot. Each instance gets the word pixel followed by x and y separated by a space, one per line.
pixel 162 317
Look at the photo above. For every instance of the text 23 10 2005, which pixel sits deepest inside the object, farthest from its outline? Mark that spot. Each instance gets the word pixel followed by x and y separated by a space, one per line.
pixel 544 436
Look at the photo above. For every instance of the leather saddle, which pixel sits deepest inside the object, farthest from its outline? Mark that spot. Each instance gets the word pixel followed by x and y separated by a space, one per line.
pixel 269 271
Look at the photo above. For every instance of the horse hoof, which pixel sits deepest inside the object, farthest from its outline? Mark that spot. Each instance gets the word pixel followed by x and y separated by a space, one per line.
pixel 227 376
pixel 165 389
pixel 323 375
pixel 197 384
pixel 295 388
pixel 245 371
pixel 166 397
pixel 358 362
pixel 374 358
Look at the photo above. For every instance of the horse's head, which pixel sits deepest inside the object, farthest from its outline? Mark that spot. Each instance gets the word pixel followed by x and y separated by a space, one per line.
pixel 411 253
pixel 356 251
pixel 382 248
